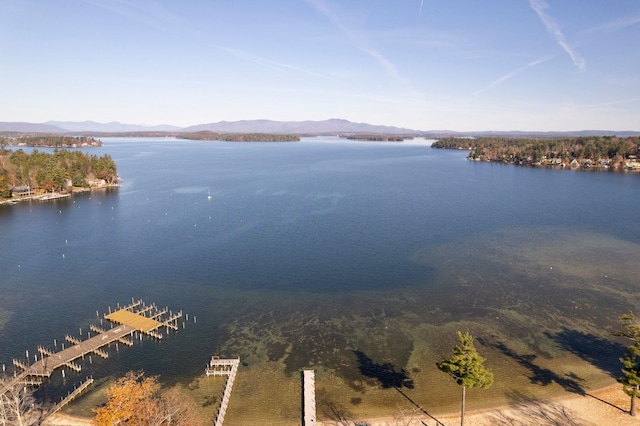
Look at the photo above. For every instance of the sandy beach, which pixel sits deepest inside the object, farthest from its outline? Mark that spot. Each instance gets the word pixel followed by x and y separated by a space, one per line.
pixel 606 406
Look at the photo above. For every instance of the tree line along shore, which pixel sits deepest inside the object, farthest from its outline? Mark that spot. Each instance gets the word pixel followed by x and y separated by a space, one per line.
pixel 49 141
pixel 237 137
pixel 590 152
pixel 25 175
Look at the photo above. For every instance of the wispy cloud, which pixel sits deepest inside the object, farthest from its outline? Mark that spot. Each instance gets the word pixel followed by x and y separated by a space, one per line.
pixel 554 29
pixel 279 66
pixel 510 75
pixel 355 37
pixel 421 4
pixel 616 25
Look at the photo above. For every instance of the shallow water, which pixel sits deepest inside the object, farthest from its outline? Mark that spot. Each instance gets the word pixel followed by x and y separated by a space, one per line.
pixel 359 260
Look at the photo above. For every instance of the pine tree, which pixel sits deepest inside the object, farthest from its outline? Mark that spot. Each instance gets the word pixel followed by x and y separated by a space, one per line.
pixel 630 378
pixel 466 367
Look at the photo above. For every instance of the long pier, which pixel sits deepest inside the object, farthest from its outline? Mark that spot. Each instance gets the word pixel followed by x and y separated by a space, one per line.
pixel 223 367
pixel 135 317
pixel 308 398
pixel 77 391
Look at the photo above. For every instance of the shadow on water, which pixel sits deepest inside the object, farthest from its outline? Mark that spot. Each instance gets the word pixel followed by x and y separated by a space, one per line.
pixel 385 373
pixel 543 376
pixel 533 411
pixel 598 351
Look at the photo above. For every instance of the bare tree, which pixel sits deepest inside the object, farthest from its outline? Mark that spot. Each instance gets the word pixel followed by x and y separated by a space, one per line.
pixel 405 417
pixel 18 406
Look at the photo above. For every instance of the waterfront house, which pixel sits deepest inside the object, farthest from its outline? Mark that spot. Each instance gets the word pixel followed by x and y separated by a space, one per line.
pixel 21 191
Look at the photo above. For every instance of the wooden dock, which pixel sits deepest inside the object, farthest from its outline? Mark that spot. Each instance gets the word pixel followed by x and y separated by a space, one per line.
pixel 77 391
pixel 223 367
pixel 308 398
pixel 52 196
pixel 135 317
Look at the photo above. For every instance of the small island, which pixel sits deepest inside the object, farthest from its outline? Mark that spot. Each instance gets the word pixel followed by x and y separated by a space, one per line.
pixel 238 137
pixel 39 175
pixel 590 152
pixel 377 137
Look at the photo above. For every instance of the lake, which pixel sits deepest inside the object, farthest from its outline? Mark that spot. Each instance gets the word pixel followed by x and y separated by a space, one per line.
pixel 357 259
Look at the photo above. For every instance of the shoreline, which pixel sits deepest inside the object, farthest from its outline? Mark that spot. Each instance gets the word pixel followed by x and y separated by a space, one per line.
pixel 49 196
pixel 607 405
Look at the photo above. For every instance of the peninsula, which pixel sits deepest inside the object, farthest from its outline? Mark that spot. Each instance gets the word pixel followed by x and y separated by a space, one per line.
pixel 50 141
pixel 588 152
pixel 25 175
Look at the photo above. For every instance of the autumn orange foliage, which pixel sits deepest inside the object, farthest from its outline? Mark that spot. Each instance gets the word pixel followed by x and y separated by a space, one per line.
pixel 133 400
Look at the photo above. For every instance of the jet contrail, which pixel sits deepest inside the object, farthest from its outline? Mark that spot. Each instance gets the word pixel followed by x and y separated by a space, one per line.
pixel 552 28
pixel 420 11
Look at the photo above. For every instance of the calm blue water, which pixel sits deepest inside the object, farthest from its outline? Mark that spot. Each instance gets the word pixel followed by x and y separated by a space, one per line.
pixel 323 225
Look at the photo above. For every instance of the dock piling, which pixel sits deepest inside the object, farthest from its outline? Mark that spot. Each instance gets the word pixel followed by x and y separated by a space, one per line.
pixel 129 321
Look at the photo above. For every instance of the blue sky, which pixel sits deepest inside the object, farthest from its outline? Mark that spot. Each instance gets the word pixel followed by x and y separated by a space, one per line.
pixel 424 64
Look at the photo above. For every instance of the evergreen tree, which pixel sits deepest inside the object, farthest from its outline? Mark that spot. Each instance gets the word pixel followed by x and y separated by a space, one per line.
pixel 466 367
pixel 4 185
pixel 630 378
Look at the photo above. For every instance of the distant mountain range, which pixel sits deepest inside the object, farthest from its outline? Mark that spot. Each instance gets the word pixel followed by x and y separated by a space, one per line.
pixel 331 126
pixel 112 127
pixel 245 126
pixel 21 127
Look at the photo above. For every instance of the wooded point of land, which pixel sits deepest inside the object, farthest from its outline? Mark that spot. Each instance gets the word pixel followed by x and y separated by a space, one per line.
pixel 39 171
pixel 589 151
